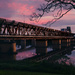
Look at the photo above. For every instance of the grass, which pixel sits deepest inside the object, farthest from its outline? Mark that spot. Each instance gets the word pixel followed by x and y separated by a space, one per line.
pixel 35 68
pixel 9 72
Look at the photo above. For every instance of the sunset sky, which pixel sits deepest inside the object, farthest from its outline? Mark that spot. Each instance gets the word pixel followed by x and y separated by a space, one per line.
pixel 20 10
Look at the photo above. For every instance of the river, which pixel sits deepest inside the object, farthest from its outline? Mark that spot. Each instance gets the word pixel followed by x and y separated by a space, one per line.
pixel 68 55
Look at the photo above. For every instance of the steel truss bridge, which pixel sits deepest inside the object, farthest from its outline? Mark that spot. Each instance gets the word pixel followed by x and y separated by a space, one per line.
pixel 16 29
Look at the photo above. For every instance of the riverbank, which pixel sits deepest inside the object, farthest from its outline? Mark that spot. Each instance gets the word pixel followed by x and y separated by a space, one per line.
pixel 9 72
pixel 36 67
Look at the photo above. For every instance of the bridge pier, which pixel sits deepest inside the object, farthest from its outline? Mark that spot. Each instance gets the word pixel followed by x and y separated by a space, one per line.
pixel 56 41
pixel 59 44
pixel 73 40
pixel 66 42
pixel 56 44
pixel 33 43
pixel 69 40
pixel 41 46
pixel 8 47
pixel 23 44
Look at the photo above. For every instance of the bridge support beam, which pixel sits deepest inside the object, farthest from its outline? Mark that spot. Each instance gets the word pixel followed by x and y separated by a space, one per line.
pixel 23 44
pixel 41 46
pixel 8 47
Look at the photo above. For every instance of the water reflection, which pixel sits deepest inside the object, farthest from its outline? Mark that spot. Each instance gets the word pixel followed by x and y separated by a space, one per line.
pixel 72 57
pixel 26 54
pixel 55 52
pixel 66 53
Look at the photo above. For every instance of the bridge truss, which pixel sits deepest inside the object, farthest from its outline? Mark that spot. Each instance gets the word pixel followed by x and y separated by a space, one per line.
pixel 8 27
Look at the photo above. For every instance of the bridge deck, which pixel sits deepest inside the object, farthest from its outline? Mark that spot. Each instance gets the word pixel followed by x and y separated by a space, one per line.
pixel 18 37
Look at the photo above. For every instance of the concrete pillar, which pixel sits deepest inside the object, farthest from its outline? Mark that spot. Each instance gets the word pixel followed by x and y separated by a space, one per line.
pixel 66 42
pixel 69 40
pixel 33 43
pixel 23 44
pixel 41 46
pixel 8 47
pixel 13 47
pixel 56 44
pixel 56 41
pixel 73 40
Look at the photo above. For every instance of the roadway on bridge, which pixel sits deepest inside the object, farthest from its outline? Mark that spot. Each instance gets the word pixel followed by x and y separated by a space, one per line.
pixel 21 37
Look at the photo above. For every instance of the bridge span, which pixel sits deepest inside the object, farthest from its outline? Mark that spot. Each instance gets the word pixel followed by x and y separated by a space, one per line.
pixel 12 30
pixel 8 27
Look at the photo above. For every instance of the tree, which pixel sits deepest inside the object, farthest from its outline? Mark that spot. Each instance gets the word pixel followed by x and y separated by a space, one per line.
pixel 52 6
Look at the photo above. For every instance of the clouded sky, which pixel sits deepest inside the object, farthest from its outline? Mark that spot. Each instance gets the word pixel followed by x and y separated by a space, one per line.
pixel 20 10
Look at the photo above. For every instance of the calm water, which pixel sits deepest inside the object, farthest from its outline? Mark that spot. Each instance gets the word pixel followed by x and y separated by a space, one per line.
pixel 68 55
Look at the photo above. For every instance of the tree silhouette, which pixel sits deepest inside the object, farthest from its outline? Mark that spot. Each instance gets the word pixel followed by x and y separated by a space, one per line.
pixel 52 6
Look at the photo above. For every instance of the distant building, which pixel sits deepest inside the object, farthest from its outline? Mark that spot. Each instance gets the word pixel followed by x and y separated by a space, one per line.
pixel 63 29
pixel 68 29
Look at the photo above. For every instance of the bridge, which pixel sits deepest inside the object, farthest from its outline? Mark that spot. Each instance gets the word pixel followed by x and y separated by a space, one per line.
pixel 8 27
pixel 11 30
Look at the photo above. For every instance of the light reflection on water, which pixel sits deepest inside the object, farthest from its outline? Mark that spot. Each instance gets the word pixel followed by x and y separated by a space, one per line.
pixel 49 49
pixel 26 54
pixel 72 57
pixel 67 58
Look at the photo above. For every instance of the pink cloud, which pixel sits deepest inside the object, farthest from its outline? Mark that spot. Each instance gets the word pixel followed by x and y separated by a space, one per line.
pixel 21 8
pixel 26 10
pixel 15 10
pixel 14 5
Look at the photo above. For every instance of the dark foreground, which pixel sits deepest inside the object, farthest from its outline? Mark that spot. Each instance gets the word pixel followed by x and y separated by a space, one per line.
pixel 39 68
pixel 9 72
